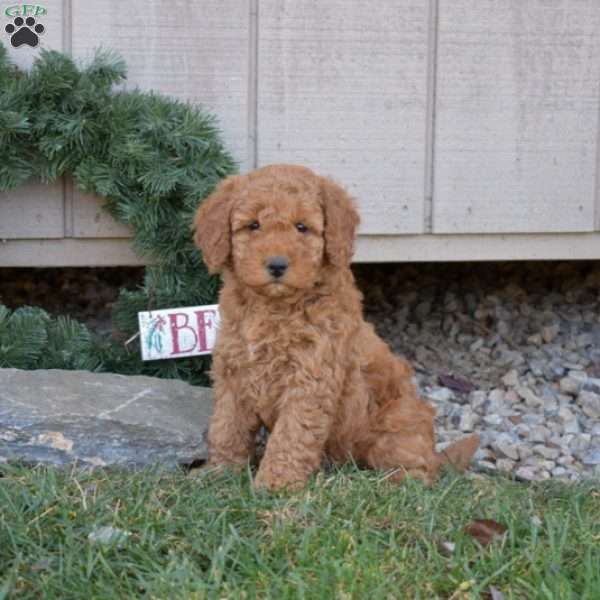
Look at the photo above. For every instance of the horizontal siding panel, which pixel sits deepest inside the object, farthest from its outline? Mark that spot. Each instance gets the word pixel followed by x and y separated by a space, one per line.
pixel 68 253
pixel 478 247
pixel 516 116
pixel 32 211
pixel 90 220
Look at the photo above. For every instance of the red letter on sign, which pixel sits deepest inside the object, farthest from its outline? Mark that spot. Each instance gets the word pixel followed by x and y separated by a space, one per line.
pixel 175 328
pixel 203 325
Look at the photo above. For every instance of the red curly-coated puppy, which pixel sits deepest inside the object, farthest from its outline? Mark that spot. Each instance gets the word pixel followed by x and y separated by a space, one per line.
pixel 293 351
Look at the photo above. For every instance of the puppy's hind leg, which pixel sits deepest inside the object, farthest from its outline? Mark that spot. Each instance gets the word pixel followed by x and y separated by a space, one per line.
pixel 402 441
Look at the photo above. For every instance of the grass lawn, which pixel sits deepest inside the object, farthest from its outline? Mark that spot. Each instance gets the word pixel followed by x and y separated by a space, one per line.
pixel 350 534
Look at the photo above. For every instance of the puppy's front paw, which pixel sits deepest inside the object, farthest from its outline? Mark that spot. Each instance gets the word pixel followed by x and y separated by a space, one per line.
pixel 274 479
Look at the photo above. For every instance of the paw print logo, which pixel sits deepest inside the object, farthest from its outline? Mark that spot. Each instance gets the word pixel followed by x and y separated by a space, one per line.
pixel 24 31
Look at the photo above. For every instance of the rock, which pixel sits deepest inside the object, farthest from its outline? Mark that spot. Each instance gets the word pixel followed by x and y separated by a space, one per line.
pixel 505 465
pixel 569 420
pixel 570 386
pixel 535 339
pixel 549 332
pixel 511 379
pixel 507 446
pixel 546 451
pixel 591 384
pixel 592 457
pixel 511 397
pixel 468 419
pixel 590 403
pixel 527 474
pixel 497 403
pixel 580 444
pixel 476 345
pixel 525 451
pixel 530 398
pixel 98 419
pixel 477 400
pixel 440 394
pixel 584 339
pixel 493 420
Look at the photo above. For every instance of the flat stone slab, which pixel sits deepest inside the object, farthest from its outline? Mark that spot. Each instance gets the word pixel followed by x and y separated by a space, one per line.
pixel 101 419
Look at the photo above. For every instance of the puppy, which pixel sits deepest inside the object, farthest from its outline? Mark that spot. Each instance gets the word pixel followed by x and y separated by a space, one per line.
pixel 293 352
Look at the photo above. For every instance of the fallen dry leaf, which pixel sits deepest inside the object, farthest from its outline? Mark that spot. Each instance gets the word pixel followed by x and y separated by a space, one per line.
pixel 485 530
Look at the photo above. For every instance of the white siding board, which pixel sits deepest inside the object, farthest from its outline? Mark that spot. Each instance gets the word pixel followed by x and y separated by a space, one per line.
pixel 68 253
pixel 516 116
pixel 477 247
pixel 32 211
pixel 194 51
pixel 90 220
pixel 342 89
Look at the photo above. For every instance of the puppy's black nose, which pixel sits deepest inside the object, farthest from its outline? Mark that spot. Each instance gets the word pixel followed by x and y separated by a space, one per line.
pixel 277 266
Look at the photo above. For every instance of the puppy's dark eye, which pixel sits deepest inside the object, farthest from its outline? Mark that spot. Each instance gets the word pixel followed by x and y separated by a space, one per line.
pixel 301 227
pixel 254 226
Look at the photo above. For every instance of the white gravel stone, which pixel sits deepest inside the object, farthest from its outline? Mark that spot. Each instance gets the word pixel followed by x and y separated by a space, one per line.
pixel 477 400
pixel 571 386
pixel 440 394
pixel 507 446
pixel 505 465
pixel 468 420
pixel 546 451
pixel 592 457
pixel 531 399
pixel 511 379
pixel 536 372
pixel 549 332
pixel 538 433
pixel 493 420
pixel 590 404
pixel 527 474
pixel 525 451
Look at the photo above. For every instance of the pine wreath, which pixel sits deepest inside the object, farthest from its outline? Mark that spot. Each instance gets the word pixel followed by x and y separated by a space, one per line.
pixel 151 157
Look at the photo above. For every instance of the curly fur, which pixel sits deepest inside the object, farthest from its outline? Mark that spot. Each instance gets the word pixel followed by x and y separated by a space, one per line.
pixel 293 353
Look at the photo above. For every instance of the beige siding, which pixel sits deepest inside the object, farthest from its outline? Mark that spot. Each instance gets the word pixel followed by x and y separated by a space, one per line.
pixel 465 129
pixel 342 88
pixel 516 116
pixel 192 50
pixel 90 220
pixel 32 211
pixel 35 210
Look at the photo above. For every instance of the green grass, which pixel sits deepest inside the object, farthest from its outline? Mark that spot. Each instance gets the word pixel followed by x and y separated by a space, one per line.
pixel 350 534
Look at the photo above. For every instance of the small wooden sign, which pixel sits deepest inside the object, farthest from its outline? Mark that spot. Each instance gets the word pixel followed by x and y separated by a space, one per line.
pixel 178 332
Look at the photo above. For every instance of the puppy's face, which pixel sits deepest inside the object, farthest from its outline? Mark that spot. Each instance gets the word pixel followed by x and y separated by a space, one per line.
pixel 276 228
pixel 277 238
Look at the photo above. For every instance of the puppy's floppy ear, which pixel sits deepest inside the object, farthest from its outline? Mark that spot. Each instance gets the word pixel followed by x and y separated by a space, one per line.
pixel 212 227
pixel 341 220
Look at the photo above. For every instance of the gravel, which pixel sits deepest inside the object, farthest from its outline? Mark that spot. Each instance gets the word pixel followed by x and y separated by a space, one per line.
pixel 525 336
pixel 508 350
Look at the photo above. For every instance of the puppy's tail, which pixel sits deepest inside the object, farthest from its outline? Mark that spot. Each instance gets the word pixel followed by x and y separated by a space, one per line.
pixel 460 454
